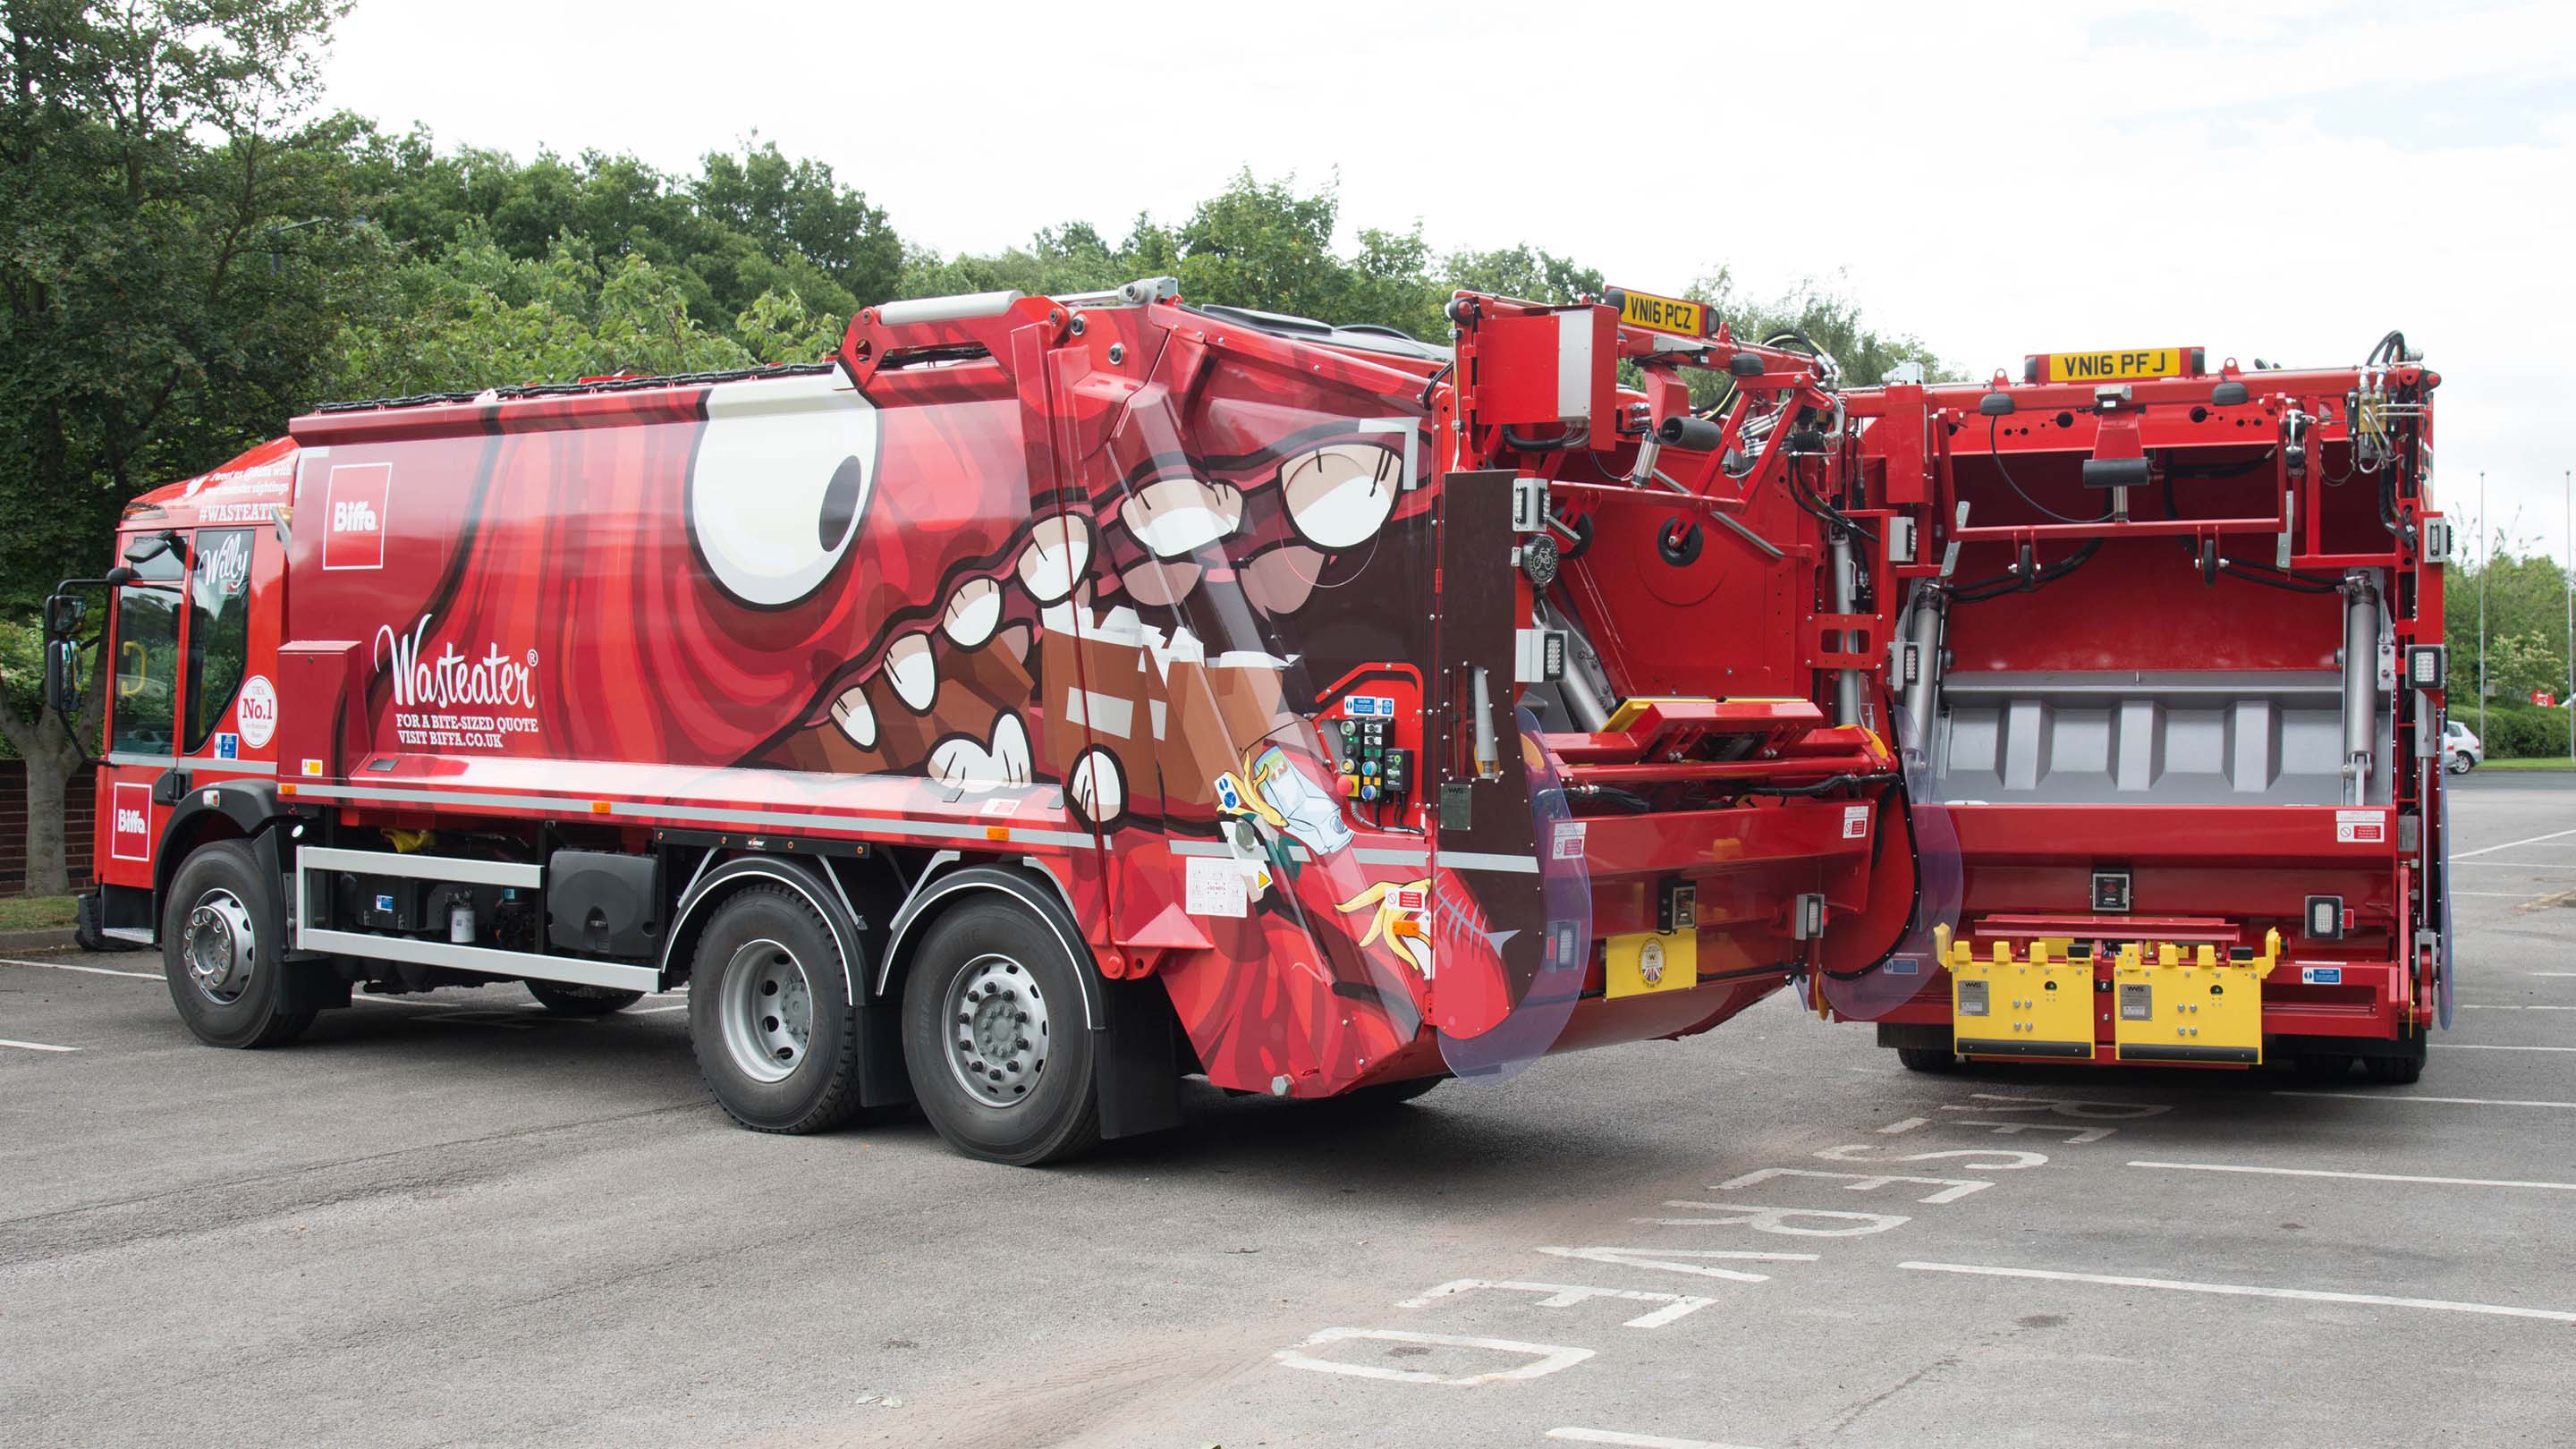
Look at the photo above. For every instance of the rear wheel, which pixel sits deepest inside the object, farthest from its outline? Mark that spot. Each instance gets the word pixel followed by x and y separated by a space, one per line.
pixel 1928 1059
pixel 2461 764
pixel 995 1036
pixel 223 936
pixel 770 1017
pixel 565 999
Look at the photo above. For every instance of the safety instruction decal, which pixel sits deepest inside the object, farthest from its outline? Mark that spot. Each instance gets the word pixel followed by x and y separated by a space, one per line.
pixel 2361 827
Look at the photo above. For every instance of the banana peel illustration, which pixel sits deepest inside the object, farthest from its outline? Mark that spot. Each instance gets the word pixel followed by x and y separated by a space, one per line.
pixel 1402 926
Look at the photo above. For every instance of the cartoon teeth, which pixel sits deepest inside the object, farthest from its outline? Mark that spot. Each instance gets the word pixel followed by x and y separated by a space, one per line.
pixel 1097 790
pixel 973 612
pixel 856 717
pixel 965 764
pixel 1341 495
pixel 1058 551
pixel 909 668
pixel 1175 517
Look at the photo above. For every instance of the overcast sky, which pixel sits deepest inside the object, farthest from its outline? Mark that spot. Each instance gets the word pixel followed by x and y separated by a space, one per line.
pixel 2285 180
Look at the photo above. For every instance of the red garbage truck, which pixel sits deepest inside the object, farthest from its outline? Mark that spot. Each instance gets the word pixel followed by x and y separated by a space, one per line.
pixel 1042 701
pixel 2164 657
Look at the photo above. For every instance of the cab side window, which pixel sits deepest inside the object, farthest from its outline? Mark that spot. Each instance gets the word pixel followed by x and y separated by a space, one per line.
pixel 218 628
pixel 143 710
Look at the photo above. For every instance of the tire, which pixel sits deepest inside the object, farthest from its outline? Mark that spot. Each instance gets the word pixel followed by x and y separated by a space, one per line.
pixel 2462 764
pixel 1935 1060
pixel 770 1019
pixel 223 937
pixel 992 991
pixel 2397 1071
pixel 565 999
pixel 2321 1066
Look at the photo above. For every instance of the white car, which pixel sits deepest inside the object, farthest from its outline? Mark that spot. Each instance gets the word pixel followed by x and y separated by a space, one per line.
pixel 2461 751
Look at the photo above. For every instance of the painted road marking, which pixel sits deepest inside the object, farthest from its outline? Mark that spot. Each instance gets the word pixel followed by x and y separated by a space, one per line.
pixel 1634 1441
pixel 2492 1006
pixel 35 1046
pixel 2461 855
pixel 2473 1046
pixel 1908 1125
pixel 2243 1290
pixel 2354 1176
pixel 2517 864
pixel 2453 1101
pixel 1567 1295
pixel 86 970
pixel 655 1010
pixel 2542 973
pixel 1663 1258
pixel 1546 1358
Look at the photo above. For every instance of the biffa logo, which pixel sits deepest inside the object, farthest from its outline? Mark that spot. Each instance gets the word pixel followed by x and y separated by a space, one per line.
pixel 130 822
pixel 356 505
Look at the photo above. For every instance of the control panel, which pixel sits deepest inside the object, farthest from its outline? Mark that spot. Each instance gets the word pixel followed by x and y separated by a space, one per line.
pixel 1372 768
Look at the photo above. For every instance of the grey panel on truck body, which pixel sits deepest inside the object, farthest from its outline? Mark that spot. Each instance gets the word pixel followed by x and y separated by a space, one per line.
pixel 2172 737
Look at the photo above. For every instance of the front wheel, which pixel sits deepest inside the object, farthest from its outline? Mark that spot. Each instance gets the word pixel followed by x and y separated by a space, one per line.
pixel 564 999
pixel 2462 764
pixel 996 1039
pixel 1928 1059
pixel 223 938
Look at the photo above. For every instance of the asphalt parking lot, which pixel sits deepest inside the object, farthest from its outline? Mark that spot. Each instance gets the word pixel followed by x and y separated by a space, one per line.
pixel 454 1219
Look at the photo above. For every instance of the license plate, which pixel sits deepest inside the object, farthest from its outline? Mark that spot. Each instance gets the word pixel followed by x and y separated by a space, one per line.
pixel 1663 314
pixel 2114 366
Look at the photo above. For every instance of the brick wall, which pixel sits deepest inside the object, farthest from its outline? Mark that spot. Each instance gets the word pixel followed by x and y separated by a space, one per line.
pixel 79 803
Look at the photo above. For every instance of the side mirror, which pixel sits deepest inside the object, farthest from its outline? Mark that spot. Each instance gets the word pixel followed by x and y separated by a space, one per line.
pixel 62 677
pixel 64 615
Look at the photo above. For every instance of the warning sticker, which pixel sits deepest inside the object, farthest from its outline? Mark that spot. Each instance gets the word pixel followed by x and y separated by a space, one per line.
pixel 2361 827
pixel 1855 822
pixel 1213 886
pixel 1569 840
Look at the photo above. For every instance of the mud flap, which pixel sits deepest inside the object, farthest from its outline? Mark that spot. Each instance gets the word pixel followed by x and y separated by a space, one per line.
pixel 1134 1059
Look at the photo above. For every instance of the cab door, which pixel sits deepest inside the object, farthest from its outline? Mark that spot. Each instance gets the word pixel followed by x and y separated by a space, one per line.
pixel 146 645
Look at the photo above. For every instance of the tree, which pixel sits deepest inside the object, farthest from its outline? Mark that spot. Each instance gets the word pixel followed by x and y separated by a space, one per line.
pixel 177 243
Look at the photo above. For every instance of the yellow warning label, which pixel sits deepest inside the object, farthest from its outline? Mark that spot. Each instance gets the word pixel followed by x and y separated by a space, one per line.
pixel 1646 961
pixel 2114 366
pixel 1663 314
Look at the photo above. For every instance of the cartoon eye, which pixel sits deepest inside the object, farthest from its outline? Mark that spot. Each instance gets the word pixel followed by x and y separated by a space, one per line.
pixel 779 484
pixel 1341 494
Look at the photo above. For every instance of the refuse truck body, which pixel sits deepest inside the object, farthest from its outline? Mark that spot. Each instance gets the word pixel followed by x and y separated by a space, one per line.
pixel 1042 701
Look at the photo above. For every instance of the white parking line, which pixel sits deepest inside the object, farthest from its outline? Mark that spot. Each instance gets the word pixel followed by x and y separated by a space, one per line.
pixel 35 1046
pixel 2458 856
pixel 2394 1097
pixel 1634 1441
pixel 2493 1006
pixel 2245 1290
pixel 2353 1176
pixel 2517 864
pixel 2542 973
pixel 85 970
pixel 2479 1046
pixel 655 1010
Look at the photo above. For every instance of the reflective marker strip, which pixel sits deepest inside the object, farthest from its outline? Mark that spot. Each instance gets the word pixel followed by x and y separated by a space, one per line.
pixel 1478 860
pixel 697 814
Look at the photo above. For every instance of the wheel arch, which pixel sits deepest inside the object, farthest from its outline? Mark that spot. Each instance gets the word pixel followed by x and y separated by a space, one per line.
pixel 950 879
pixel 226 810
pixel 719 881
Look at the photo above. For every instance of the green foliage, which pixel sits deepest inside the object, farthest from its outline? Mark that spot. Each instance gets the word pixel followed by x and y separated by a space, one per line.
pixel 2523 732
pixel 2526 627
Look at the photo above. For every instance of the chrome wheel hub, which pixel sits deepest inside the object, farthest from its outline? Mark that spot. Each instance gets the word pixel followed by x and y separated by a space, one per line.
pixel 997 1031
pixel 767 1009
pixel 220 947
